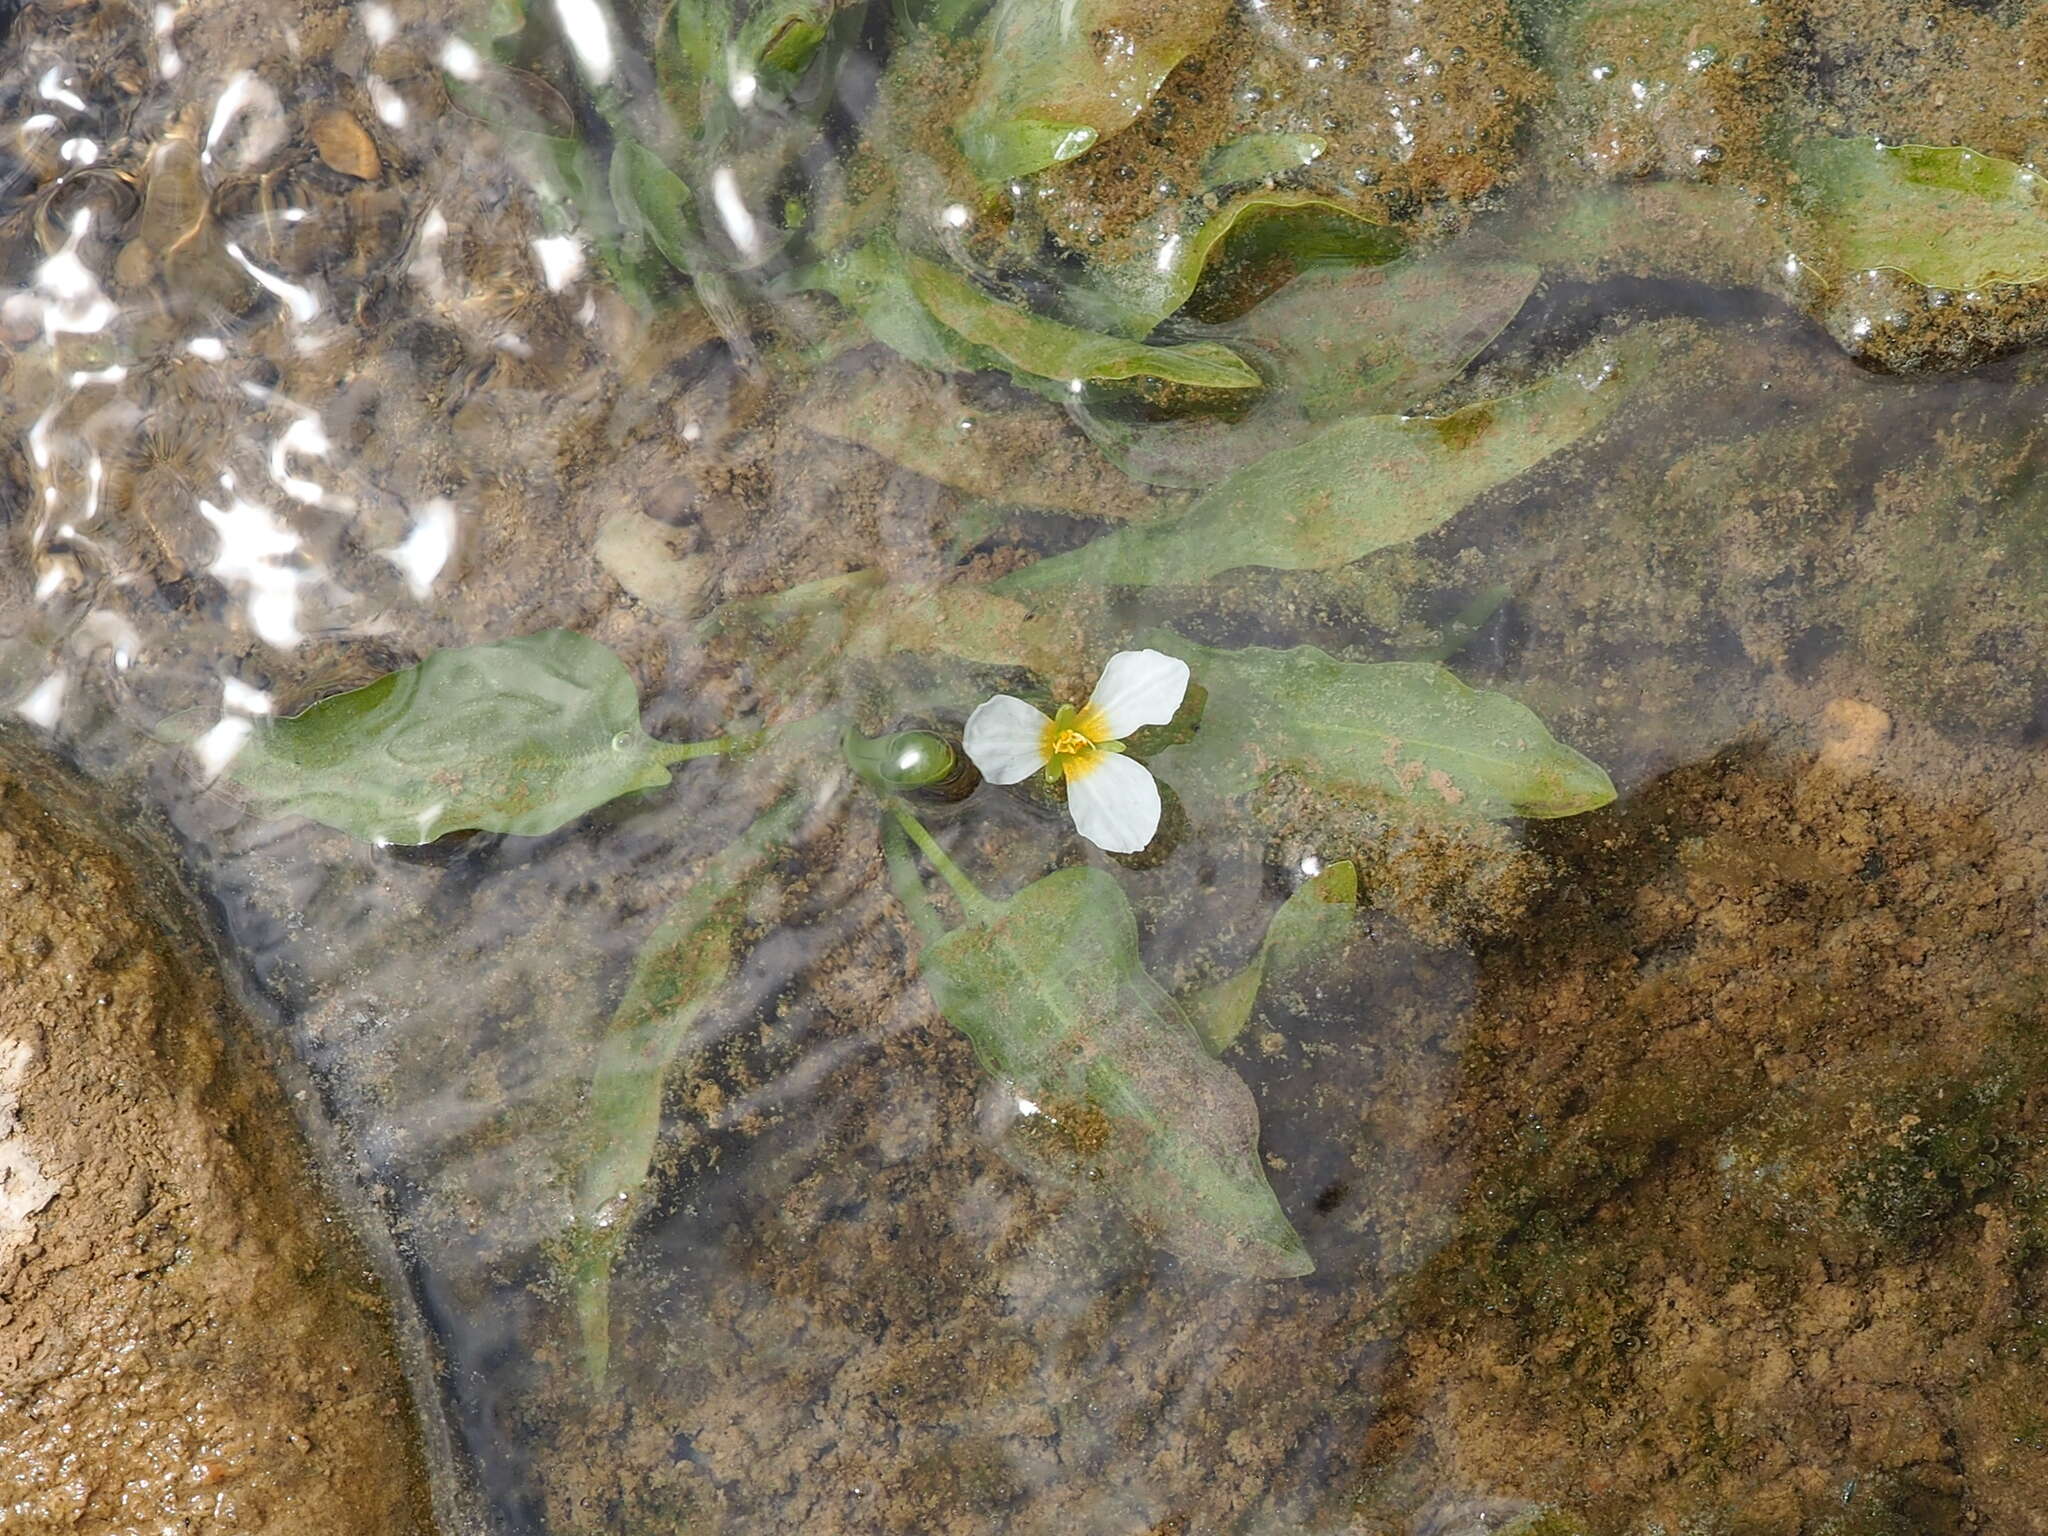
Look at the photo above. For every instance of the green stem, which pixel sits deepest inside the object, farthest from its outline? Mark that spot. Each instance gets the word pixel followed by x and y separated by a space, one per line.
pixel 908 886
pixel 683 751
pixel 977 906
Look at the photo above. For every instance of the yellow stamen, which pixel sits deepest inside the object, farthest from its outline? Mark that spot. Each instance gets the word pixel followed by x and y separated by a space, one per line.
pixel 1070 744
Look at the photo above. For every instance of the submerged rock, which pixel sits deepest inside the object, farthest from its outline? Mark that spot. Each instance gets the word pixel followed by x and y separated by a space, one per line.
pixel 187 1339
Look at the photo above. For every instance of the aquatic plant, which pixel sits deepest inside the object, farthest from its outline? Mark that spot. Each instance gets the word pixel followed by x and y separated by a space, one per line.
pixel 1252 346
pixel 1119 1081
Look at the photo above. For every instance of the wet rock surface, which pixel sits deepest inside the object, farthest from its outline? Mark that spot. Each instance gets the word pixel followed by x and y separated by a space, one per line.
pixel 188 1341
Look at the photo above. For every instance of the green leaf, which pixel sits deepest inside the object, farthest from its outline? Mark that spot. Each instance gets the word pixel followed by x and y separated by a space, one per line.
pixel 1359 486
pixel 1058 75
pixel 518 736
pixel 863 616
pixel 785 37
pixel 1350 342
pixel 1309 922
pixel 1257 156
pixel 1270 234
pixel 1331 343
pixel 1051 992
pixel 1406 730
pixel 656 203
pixel 1019 455
pixel 1949 218
pixel 1034 345
pixel 872 280
pixel 677 975
pixel 689 57
pixel 501 19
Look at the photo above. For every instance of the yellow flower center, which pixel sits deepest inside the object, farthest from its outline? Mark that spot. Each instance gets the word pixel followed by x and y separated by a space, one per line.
pixel 1070 744
pixel 1076 742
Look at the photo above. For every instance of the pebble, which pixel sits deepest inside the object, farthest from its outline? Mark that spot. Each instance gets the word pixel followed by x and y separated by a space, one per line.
pixel 345 145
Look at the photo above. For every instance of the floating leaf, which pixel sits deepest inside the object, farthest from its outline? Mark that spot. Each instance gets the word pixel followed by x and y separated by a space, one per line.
pixel 1331 344
pixel 1032 344
pixel 1404 729
pixel 1310 921
pixel 1058 75
pixel 678 973
pixel 1050 989
pixel 1257 241
pixel 1259 155
pixel 1362 485
pixel 518 736
pixel 1949 218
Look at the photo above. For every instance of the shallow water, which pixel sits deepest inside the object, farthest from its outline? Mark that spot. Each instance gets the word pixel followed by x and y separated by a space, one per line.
pixel 1672 1166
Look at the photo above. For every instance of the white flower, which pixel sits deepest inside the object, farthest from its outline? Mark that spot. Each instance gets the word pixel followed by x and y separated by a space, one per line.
pixel 1114 801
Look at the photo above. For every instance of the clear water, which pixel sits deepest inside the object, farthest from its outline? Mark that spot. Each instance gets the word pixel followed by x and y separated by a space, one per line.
pixel 1672 1167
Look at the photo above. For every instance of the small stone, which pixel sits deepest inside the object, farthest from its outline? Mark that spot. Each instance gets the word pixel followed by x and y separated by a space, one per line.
pixel 345 145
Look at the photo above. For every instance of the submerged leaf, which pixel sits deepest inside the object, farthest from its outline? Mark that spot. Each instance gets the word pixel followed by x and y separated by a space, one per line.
pixel 1032 344
pixel 784 36
pixel 1051 991
pixel 678 973
pixel 1259 155
pixel 1058 75
pixel 1949 218
pixel 1255 241
pixel 1407 730
pixel 1362 485
pixel 518 736
pixel 653 201
pixel 1310 921
pixel 863 616
pixel 1022 455
pixel 1352 342
pixel 873 281
pixel 1331 344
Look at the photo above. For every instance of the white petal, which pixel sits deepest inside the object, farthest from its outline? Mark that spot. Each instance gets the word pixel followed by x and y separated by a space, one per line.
pixel 1006 739
pixel 1115 803
pixel 1138 688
